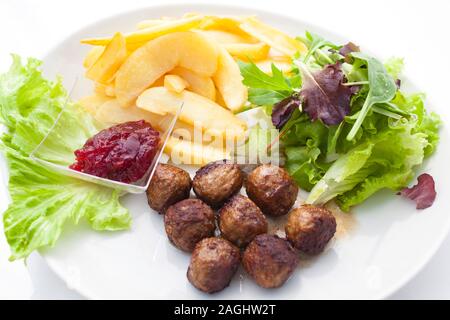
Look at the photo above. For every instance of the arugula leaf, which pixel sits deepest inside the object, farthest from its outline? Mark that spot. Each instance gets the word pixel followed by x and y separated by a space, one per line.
pixel 382 89
pixel 314 43
pixel 267 89
pixel 256 78
pixel 264 97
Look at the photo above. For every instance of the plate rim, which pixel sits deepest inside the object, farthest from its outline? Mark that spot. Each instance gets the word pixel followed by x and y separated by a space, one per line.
pixel 383 294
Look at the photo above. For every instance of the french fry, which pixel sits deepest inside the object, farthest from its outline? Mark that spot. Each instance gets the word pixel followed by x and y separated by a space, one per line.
pixel 248 51
pixel 230 24
pixel 187 152
pixel 175 83
pixel 273 37
pixel 145 35
pixel 111 112
pixel 226 37
pixel 93 56
pixel 105 89
pixel 228 81
pixel 91 103
pixel 198 83
pixel 105 67
pixel 197 110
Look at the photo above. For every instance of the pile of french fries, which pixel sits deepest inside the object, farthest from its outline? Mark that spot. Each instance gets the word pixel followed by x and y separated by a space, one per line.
pixel 148 73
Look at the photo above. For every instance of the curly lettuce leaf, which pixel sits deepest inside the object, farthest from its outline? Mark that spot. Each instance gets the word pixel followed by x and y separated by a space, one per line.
pixel 423 193
pixel 427 123
pixel 44 201
pixel 388 160
pixel 394 66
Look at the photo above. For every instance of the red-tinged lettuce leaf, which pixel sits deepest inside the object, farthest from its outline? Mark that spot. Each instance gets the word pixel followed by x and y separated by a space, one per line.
pixel 282 111
pixel 323 94
pixel 348 48
pixel 423 193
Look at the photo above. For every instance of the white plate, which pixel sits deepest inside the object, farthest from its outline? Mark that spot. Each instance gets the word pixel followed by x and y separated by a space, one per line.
pixel 387 241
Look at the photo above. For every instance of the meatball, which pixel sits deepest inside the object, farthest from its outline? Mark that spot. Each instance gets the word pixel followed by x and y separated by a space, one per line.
pixel 270 260
pixel 169 185
pixel 217 181
pixel 189 221
pixel 272 189
pixel 213 264
pixel 240 220
pixel 310 228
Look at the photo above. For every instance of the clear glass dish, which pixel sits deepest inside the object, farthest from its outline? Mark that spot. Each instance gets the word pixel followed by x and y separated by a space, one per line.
pixel 136 187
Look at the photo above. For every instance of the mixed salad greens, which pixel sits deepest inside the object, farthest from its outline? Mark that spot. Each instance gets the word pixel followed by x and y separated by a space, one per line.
pixel 43 201
pixel 346 128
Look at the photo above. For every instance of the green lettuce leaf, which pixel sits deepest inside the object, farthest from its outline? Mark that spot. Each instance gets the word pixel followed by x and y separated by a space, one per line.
pixel 387 160
pixel 44 201
pixel 427 123
pixel 394 66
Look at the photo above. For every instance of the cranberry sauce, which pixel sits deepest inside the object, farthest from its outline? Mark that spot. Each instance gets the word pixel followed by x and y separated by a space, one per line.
pixel 123 152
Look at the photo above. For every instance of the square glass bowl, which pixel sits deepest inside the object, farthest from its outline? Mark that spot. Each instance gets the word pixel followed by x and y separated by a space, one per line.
pixel 53 164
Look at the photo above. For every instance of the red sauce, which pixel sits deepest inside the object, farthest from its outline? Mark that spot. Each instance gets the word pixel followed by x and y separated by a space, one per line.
pixel 122 153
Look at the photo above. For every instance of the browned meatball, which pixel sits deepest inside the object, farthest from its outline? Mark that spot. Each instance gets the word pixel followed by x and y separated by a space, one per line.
pixel 272 189
pixel 189 221
pixel 217 181
pixel 270 260
pixel 213 264
pixel 310 228
pixel 240 220
pixel 168 186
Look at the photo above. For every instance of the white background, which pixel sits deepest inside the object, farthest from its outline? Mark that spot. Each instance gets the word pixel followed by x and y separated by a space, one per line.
pixel 414 29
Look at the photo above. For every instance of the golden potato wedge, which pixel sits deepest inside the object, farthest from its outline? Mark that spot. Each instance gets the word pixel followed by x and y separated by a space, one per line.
pixel 226 37
pixel 105 67
pixel 219 100
pixel 93 56
pixel 110 90
pixel 248 51
pixel 105 89
pixel 189 50
pixel 159 82
pixel 175 83
pixel 228 81
pixel 273 37
pixel 91 103
pixel 145 35
pixel 202 85
pixel 186 152
pixel 197 110
pixel 111 112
